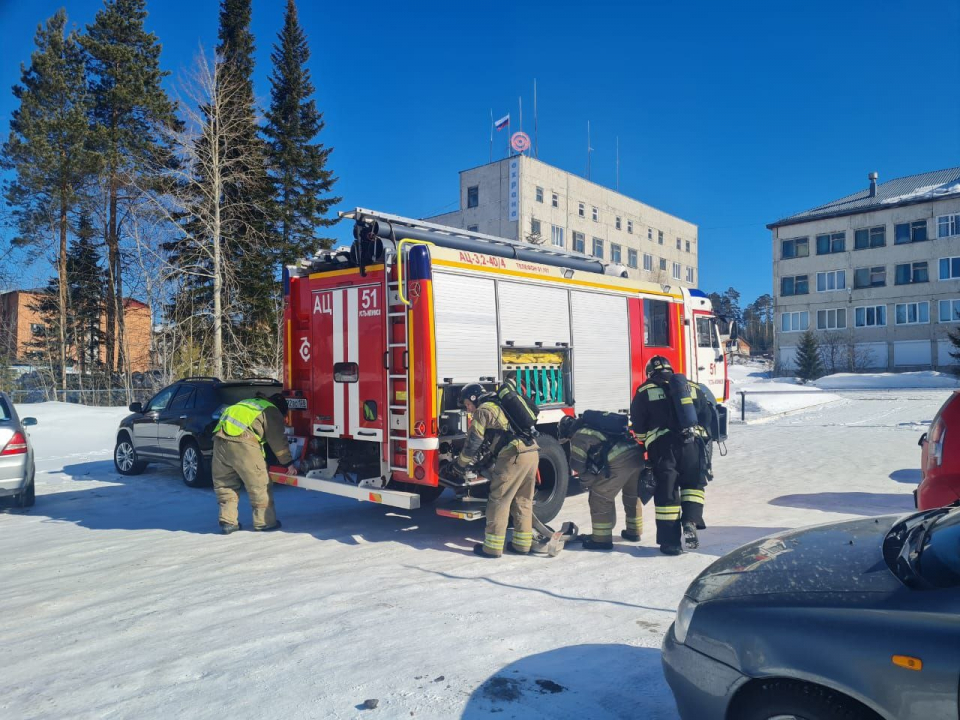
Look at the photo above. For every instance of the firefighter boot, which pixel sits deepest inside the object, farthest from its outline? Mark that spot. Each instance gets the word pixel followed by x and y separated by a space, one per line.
pixel 227 528
pixel 276 526
pixel 591 544
pixel 632 537
pixel 690 538
pixel 478 550
pixel 671 549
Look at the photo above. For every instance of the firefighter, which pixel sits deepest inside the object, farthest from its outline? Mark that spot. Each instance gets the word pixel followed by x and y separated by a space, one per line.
pixel 607 466
pixel 513 476
pixel 239 459
pixel 674 455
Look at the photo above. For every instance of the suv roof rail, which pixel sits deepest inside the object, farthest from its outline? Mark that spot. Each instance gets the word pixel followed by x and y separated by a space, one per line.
pixel 195 378
pixel 258 379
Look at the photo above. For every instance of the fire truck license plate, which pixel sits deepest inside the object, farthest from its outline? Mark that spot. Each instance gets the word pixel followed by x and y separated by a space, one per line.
pixel 296 403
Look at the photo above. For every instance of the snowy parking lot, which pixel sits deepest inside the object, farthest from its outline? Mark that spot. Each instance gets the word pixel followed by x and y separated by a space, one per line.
pixel 120 599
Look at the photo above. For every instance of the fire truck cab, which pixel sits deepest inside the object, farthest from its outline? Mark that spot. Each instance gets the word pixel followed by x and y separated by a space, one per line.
pixel 379 338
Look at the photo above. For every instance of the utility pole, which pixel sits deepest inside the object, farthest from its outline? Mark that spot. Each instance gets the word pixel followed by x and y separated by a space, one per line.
pixel 536 141
pixel 618 163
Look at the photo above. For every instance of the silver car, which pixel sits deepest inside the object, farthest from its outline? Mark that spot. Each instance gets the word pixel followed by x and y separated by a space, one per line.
pixel 17 468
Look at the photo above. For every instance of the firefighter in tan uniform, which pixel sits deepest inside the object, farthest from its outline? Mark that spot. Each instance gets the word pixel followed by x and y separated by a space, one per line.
pixel 605 478
pixel 513 477
pixel 239 459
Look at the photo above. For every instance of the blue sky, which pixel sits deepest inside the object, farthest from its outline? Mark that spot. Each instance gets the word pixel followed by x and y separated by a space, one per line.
pixel 730 115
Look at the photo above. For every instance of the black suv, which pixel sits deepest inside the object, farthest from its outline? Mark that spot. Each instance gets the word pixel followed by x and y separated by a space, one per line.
pixel 176 426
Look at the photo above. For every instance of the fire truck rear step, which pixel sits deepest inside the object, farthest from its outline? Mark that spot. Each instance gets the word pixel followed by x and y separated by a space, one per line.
pixel 463 509
pixel 393 498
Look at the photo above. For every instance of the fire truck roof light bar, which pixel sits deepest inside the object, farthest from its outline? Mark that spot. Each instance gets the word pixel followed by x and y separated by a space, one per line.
pixel 456 239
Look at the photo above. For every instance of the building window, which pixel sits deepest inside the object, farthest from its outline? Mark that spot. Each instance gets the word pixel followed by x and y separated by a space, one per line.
pixel 630 226
pixel 910 273
pixel 870 237
pixel 832 280
pixel 948 225
pixel 870 277
pixel 648 262
pixel 656 323
pixel 649 233
pixel 832 243
pixel 556 236
pixel 663 263
pixel 534 226
pixel 555 200
pixel 794 248
pixel 539 194
pixel 949 311
pixel 581 210
pixel 597 247
pixel 688 246
pixel 915 313
pixel 578 244
pixel 473 228
pixel 679 243
pixel 615 253
pixel 949 268
pixel 690 275
pixel 596 215
pixel 832 319
pixel 659 237
pixel 870 316
pixel 618 223
pixel 910 232
pixel 473 196
pixel 676 271
pixel 794 321
pixel 631 257
pixel 794 285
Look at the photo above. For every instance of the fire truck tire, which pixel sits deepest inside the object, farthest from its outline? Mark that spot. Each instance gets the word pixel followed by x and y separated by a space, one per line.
pixel 553 479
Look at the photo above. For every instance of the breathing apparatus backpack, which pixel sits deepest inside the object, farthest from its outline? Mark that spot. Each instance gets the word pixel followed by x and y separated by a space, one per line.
pixel 521 412
pixel 684 410
pixel 615 427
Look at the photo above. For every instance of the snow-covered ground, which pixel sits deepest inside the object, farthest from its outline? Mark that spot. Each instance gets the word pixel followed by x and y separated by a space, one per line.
pixel 120 600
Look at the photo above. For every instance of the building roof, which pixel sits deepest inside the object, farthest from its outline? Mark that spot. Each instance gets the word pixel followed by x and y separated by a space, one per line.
pixel 910 190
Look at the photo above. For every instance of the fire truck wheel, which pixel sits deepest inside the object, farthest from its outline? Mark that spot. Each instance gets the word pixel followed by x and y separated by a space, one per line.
pixel 552 480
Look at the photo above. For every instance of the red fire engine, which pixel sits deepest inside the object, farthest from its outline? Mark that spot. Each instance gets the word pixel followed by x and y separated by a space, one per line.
pixel 379 339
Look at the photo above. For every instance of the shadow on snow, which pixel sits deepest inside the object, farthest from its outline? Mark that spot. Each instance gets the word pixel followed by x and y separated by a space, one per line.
pixel 855 503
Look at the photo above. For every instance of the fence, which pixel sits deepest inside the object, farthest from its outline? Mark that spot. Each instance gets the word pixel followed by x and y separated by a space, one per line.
pixel 97 398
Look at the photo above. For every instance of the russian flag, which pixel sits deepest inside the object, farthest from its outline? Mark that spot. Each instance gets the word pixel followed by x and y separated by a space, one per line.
pixel 502 122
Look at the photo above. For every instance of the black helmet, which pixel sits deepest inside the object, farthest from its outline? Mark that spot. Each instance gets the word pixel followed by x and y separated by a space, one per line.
pixel 279 401
pixel 658 363
pixel 566 427
pixel 472 392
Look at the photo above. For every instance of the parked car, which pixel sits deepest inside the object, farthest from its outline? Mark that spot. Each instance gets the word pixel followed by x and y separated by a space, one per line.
pixel 939 461
pixel 855 620
pixel 176 426
pixel 17 466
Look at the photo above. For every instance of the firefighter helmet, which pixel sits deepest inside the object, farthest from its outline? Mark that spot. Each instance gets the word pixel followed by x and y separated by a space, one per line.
pixel 566 427
pixel 279 401
pixel 473 392
pixel 658 363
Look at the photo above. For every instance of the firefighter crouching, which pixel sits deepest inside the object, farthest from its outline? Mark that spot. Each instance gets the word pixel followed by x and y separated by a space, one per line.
pixel 513 476
pixel 608 464
pixel 239 459
pixel 674 450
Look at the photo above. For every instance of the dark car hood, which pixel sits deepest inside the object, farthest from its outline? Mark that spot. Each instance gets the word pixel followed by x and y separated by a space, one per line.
pixel 839 557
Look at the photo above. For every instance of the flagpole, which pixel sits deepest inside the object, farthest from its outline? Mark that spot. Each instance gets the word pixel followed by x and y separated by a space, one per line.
pixel 588 149
pixel 491 134
pixel 536 142
pixel 618 163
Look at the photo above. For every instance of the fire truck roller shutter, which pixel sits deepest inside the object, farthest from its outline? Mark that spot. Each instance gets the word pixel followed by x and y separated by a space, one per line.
pixel 532 313
pixel 601 352
pixel 465 315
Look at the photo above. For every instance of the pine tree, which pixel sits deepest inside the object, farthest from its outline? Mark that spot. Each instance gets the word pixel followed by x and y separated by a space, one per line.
pixel 86 296
pixel 298 164
pixel 954 337
pixel 809 364
pixel 48 150
pixel 129 104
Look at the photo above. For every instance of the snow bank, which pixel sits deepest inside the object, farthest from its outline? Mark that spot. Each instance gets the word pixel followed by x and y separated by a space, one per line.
pixel 886 381
pixel 769 396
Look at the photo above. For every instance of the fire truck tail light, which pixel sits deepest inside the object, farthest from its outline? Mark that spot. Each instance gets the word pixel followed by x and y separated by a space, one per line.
pixel 419 473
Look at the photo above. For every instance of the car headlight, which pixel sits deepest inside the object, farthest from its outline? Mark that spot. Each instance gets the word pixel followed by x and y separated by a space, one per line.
pixel 684 618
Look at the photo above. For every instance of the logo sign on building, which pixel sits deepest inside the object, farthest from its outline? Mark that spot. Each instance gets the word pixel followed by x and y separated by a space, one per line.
pixel 514 189
pixel 520 142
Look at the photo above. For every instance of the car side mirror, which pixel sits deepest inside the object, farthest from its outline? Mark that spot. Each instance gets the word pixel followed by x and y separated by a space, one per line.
pixel 28 421
pixel 922 440
pixel 136 407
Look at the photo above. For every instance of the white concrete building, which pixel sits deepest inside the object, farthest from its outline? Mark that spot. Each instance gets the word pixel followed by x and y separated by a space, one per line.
pixel 522 198
pixel 876 274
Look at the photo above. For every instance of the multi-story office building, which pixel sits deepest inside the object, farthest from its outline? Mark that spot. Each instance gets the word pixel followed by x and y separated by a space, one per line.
pixel 876 274
pixel 524 199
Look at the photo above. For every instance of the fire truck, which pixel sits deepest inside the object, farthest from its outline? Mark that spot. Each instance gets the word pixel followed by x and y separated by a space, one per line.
pixel 380 337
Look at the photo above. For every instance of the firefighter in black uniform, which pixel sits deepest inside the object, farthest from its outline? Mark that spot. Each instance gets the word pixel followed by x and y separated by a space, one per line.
pixel 675 455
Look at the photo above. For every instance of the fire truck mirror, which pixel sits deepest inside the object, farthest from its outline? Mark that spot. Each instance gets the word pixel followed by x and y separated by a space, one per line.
pixel 370 410
pixel 734 330
pixel 346 372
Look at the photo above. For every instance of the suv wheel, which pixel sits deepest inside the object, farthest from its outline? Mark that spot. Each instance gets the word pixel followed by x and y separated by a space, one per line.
pixel 125 457
pixel 192 469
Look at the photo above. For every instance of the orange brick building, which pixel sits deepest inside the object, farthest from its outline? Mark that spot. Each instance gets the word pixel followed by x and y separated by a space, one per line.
pixel 20 324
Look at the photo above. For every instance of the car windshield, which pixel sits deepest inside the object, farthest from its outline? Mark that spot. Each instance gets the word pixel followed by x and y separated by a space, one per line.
pixel 5 413
pixel 939 562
